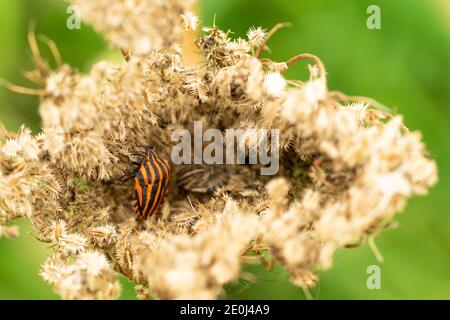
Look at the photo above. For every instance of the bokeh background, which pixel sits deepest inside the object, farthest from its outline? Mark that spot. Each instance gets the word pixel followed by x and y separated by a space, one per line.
pixel 405 65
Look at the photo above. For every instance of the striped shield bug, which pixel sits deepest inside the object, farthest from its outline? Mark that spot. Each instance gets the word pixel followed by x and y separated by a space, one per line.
pixel 150 184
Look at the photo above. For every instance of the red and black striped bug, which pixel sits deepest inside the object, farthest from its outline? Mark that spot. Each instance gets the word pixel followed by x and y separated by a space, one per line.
pixel 150 184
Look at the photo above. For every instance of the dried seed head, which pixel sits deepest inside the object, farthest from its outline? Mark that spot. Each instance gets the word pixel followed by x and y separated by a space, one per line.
pixel 256 36
pixel 274 84
pixel 345 169
pixel 190 20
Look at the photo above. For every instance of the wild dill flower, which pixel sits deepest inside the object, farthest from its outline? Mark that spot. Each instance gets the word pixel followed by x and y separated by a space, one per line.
pixel 88 277
pixel 238 48
pixel 190 20
pixel 256 36
pixel 346 167
pixel 274 84
pixel 72 242
pixel 141 25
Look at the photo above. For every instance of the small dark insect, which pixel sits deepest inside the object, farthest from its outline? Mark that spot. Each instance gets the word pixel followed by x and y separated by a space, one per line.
pixel 150 184
pixel 201 178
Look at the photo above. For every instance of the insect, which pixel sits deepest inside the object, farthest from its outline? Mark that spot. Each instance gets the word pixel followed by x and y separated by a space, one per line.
pixel 201 178
pixel 150 184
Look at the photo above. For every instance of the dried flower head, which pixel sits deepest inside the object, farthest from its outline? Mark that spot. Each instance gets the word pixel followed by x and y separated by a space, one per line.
pixel 346 167
pixel 256 36
pixel 190 20
pixel 139 25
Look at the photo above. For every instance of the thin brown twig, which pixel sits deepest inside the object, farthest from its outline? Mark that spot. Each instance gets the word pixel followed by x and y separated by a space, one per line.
pixel 22 90
pixel 41 65
pixel 126 54
pixel 377 105
pixel 277 27
pixel 302 56
pixel 53 48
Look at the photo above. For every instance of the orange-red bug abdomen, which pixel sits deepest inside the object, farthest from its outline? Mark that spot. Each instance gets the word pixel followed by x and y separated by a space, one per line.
pixel 150 184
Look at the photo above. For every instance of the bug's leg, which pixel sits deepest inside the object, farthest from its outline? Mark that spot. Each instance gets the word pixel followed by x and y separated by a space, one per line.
pixel 130 174
pixel 127 179
pixel 137 163
pixel 140 219
pixel 140 154
pixel 123 179
pixel 119 180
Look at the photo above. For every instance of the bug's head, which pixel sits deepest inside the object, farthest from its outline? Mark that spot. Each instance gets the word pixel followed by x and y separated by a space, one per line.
pixel 152 154
pixel 148 147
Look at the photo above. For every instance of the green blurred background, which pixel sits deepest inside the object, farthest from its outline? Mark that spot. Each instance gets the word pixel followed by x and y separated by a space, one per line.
pixel 405 65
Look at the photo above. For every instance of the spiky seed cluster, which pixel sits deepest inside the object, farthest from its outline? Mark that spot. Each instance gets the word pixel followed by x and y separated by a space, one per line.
pixel 88 277
pixel 139 25
pixel 196 266
pixel 346 167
